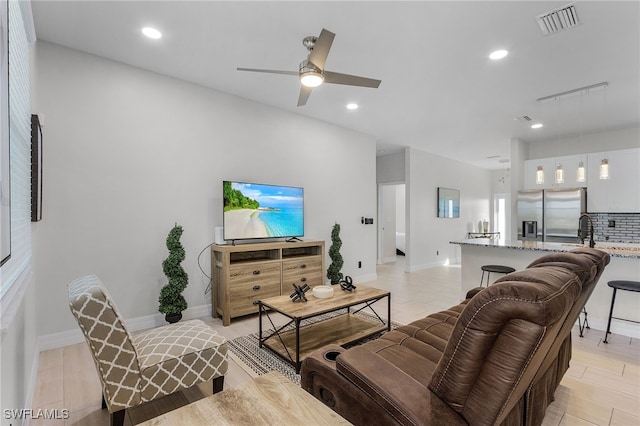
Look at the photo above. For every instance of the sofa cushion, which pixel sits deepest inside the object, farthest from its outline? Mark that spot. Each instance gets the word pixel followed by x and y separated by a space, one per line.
pixel 399 393
pixel 178 356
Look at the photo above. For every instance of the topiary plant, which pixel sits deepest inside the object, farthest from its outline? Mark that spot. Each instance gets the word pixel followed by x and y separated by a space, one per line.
pixel 172 302
pixel 333 272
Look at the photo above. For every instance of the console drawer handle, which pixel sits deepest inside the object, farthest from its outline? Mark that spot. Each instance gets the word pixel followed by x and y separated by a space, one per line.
pixel 303 279
pixel 256 287
pixel 303 266
pixel 256 272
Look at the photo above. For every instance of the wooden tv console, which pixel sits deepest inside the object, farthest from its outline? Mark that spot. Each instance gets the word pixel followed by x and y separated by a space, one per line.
pixel 245 273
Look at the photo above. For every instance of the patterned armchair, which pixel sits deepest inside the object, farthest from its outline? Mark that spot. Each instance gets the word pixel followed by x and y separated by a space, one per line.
pixel 138 369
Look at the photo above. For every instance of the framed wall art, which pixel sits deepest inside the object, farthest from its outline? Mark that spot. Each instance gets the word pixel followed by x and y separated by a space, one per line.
pixel 36 169
pixel 448 203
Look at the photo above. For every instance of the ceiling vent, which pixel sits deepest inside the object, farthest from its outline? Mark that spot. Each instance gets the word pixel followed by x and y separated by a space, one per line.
pixel 523 118
pixel 558 20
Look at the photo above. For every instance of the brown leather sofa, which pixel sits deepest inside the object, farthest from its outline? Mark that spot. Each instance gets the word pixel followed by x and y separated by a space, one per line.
pixel 496 358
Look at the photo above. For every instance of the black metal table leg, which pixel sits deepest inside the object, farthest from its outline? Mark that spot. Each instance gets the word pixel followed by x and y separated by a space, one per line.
pixel 298 365
pixel 613 299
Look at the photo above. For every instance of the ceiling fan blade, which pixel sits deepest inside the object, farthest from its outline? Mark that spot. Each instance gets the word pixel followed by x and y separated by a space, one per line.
pixel 268 71
pixel 304 95
pixel 351 80
pixel 321 48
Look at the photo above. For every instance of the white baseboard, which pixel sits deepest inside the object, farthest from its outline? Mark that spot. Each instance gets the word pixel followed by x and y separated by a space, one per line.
pixel 365 278
pixel 617 327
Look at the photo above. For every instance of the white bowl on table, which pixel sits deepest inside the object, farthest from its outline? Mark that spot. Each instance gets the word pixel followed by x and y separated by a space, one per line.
pixel 322 292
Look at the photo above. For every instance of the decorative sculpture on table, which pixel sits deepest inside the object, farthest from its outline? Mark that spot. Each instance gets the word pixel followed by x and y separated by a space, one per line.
pixel 299 293
pixel 347 284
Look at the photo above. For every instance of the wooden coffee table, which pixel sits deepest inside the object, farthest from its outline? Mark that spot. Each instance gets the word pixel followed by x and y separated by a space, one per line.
pixel 293 345
pixel 271 399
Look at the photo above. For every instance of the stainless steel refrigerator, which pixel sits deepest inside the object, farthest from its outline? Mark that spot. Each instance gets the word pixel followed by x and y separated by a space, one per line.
pixel 562 210
pixel 530 210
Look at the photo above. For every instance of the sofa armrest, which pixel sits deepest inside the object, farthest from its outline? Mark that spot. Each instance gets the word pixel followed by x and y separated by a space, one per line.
pixel 473 292
pixel 399 394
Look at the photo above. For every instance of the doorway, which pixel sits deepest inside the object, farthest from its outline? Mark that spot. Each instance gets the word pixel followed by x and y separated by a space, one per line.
pixel 392 241
pixel 500 215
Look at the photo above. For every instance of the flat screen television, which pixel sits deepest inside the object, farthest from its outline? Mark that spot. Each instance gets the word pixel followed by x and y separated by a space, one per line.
pixel 255 210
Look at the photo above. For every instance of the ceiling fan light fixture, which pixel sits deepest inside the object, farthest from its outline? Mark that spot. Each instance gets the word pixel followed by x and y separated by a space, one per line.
pixel 311 79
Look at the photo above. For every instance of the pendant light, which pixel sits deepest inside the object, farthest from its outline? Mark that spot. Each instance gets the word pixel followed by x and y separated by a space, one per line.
pixel 604 164
pixel 539 169
pixel 580 172
pixel 539 176
pixel 604 169
pixel 559 170
pixel 559 174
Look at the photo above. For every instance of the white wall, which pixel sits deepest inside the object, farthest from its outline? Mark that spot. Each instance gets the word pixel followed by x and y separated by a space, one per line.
pixel 128 153
pixel 605 140
pixel 401 200
pixel 390 168
pixel 18 338
pixel 428 237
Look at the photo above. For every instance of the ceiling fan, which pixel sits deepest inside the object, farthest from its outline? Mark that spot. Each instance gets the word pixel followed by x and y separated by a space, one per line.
pixel 312 73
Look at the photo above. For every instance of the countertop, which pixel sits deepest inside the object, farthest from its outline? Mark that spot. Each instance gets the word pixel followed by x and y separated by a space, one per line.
pixel 614 249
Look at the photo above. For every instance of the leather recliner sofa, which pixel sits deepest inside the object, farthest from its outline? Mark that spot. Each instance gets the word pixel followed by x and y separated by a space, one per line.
pixel 496 358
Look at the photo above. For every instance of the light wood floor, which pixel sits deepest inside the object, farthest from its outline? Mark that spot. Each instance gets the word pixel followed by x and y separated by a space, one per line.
pixel 602 387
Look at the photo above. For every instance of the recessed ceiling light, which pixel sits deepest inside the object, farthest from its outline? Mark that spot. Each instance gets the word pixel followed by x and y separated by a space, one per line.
pixel 537 126
pixel 151 33
pixel 498 54
pixel 352 106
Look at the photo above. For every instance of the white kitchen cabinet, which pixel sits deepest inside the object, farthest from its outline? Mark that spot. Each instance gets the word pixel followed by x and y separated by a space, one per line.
pixel 621 192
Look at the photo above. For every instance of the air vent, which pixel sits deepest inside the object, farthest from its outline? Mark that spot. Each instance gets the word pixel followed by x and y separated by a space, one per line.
pixel 524 118
pixel 558 20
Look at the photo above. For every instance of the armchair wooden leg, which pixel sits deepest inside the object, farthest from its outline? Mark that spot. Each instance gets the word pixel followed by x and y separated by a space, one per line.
pixel 218 384
pixel 117 418
pixel 104 403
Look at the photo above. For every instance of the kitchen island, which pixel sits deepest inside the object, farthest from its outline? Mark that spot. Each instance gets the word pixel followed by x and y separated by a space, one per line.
pixel 624 265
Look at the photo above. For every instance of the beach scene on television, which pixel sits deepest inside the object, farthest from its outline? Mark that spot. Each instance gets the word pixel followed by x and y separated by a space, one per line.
pixel 262 211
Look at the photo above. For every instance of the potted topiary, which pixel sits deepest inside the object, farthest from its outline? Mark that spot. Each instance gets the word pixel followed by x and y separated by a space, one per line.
pixel 333 272
pixel 172 303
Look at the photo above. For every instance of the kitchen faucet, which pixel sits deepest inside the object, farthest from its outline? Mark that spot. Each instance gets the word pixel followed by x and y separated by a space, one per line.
pixel 592 243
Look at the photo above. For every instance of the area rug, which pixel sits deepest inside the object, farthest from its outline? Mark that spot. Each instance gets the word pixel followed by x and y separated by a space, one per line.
pixel 257 361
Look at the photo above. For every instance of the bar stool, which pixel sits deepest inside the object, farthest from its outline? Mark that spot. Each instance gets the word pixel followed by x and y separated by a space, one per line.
pixel 499 269
pixel 619 285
